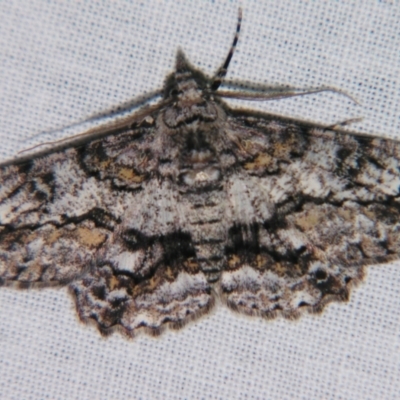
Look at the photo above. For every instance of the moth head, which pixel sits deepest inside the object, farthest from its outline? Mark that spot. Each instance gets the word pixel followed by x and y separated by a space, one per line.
pixel 186 81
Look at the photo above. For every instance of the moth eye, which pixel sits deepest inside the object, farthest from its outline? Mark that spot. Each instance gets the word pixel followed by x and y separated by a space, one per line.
pixel 174 92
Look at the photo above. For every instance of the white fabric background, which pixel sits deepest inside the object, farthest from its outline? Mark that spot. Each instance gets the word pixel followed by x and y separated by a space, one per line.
pixel 61 62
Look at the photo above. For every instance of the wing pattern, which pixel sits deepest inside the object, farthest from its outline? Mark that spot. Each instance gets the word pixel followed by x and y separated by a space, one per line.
pixel 149 224
pixel 335 207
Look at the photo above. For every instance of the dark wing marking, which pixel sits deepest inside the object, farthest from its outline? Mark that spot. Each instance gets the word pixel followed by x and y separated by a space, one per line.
pixel 313 207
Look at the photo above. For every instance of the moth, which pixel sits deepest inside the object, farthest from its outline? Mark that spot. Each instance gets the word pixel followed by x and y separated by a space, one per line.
pixel 152 219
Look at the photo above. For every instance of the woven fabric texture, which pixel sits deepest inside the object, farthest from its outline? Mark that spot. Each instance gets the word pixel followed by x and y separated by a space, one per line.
pixel 62 62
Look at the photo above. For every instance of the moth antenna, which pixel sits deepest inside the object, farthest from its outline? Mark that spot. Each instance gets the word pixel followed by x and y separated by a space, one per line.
pixel 220 75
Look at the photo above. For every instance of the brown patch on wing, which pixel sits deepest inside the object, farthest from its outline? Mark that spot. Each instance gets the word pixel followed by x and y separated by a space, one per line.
pixel 49 254
pixel 128 175
pixel 91 237
pixel 261 162
pixel 309 219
